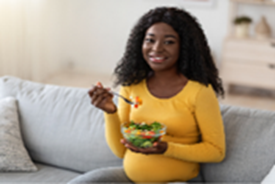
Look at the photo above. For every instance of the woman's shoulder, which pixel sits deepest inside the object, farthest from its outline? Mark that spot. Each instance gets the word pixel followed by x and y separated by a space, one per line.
pixel 199 89
pixel 197 86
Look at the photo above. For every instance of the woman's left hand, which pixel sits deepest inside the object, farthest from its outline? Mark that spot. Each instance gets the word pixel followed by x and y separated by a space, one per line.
pixel 157 148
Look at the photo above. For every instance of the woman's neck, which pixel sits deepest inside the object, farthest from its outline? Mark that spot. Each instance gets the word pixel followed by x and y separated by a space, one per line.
pixel 166 85
pixel 166 78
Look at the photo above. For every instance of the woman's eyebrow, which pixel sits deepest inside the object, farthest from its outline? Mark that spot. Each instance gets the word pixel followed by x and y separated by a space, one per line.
pixel 173 36
pixel 151 34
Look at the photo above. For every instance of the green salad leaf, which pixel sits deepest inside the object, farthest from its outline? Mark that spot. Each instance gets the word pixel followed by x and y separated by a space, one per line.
pixel 145 140
pixel 155 126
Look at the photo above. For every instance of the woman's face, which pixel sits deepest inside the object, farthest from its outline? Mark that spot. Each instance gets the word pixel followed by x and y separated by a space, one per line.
pixel 160 47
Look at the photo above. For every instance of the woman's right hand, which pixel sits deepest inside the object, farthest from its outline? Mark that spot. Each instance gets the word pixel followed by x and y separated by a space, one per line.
pixel 102 98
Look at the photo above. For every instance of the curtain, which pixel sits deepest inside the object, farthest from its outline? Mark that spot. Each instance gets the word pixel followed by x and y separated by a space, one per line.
pixel 28 38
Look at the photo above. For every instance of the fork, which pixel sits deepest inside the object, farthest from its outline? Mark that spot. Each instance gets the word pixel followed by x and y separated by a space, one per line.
pixel 125 99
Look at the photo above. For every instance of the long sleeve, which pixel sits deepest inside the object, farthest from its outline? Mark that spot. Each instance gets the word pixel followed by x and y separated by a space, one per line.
pixel 209 120
pixel 113 123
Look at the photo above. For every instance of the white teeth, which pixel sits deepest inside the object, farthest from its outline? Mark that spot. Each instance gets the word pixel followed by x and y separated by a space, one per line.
pixel 158 59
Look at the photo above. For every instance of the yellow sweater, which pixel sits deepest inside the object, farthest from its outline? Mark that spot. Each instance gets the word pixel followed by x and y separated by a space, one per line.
pixel 195 132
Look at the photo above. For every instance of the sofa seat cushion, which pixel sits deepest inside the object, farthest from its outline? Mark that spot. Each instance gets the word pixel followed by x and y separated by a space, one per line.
pixel 59 125
pixel 45 174
pixel 250 140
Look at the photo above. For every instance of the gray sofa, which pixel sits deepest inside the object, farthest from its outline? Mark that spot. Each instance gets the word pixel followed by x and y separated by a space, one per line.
pixel 64 136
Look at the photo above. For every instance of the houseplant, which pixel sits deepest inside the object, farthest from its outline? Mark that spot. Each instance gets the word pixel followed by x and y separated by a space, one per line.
pixel 242 24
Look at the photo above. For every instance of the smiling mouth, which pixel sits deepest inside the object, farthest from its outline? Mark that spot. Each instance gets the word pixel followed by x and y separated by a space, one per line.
pixel 156 59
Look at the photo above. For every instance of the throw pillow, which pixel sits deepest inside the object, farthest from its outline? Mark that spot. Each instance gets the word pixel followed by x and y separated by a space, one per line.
pixel 13 155
pixel 270 178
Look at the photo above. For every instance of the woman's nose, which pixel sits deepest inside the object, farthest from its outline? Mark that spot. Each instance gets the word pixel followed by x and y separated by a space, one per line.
pixel 157 47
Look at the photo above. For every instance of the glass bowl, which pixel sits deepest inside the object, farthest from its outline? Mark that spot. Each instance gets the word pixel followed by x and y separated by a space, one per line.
pixel 143 135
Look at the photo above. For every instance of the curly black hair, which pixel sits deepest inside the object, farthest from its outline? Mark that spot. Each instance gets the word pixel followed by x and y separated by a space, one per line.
pixel 195 60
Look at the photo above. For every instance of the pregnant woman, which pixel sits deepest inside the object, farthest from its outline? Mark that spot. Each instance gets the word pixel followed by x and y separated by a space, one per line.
pixel 167 63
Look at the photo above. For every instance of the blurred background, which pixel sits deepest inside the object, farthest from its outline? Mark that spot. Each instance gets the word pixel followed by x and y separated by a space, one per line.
pixel 79 42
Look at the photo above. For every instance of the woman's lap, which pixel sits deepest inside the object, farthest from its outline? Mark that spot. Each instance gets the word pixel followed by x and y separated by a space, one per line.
pixel 108 174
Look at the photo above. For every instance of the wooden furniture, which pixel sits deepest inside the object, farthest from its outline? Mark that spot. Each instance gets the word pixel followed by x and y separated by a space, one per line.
pixel 248 62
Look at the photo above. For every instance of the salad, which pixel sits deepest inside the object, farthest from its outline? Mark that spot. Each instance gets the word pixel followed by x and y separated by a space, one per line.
pixel 137 101
pixel 141 134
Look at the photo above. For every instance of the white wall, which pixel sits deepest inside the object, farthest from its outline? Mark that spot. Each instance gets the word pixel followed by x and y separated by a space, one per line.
pixel 39 38
pixel 98 29
pixel 29 38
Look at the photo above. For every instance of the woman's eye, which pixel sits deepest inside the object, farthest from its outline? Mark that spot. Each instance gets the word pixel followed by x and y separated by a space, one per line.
pixel 169 42
pixel 149 40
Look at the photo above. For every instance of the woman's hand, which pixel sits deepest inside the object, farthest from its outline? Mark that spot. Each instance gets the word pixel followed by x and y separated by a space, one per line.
pixel 101 98
pixel 158 147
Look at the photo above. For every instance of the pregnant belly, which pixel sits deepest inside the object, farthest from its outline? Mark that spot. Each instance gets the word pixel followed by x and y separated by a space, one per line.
pixel 157 168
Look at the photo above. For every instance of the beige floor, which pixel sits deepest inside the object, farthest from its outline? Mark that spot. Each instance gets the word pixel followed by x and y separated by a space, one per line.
pixel 238 96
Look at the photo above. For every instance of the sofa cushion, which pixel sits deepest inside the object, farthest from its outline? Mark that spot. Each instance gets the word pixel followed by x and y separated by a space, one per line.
pixel 250 154
pixel 59 125
pixel 13 155
pixel 46 174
